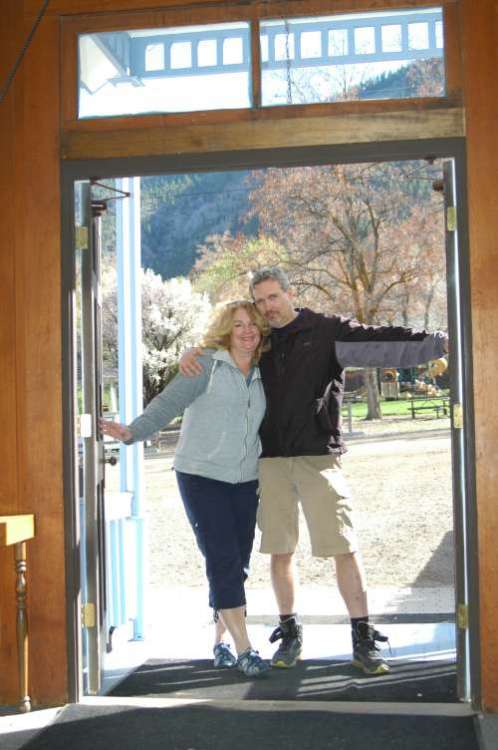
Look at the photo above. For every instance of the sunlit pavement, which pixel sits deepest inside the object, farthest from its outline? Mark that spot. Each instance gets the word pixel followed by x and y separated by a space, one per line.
pixel 180 626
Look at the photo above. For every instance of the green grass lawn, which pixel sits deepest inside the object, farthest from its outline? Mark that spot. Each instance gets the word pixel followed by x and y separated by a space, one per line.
pixel 400 408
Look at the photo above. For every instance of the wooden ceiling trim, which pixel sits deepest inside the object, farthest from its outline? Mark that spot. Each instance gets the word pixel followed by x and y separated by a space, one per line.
pixel 161 18
pixel 294 7
pixel 264 114
pixel 291 132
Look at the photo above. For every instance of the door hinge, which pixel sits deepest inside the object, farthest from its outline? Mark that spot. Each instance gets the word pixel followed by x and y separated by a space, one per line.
pixel 457 413
pixel 463 616
pixel 451 219
pixel 88 618
pixel 81 238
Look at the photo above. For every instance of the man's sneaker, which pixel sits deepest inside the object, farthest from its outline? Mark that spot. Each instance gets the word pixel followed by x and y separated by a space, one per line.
pixel 291 635
pixel 251 664
pixel 223 657
pixel 366 652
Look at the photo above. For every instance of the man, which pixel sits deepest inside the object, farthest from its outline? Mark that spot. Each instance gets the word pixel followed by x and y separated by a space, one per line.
pixel 303 378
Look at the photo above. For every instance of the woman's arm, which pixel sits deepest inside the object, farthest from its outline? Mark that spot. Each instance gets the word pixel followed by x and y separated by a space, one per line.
pixel 115 430
pixel 170 403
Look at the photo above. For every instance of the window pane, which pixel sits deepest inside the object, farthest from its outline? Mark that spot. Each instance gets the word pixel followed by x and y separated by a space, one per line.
pixel 439 34
pixel 284 47
pixel 338 42
pixel 183 69
pixel 206 52
pixel 154 57
pixel 418 36
pixel 380 55
pixel 391 38
pixel 233 52
pixel 311 44
pixel 364 40
pixel 181 55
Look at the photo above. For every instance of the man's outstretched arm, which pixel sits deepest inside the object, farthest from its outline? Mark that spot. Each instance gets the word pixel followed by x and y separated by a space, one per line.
pixel 359 345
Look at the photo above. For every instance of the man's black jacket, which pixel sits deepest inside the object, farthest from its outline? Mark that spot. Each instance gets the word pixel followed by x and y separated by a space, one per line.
pixel 303 376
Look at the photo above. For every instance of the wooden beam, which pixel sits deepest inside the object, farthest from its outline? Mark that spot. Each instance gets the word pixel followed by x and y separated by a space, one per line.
pixel 30 355
pixel 480 35
pixel 302 112
pixel 256 64
pixel 453 62
pixel 270 9
pixel 11 38
pixel 317 131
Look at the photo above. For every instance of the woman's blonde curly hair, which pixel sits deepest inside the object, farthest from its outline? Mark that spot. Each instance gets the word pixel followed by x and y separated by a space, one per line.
pixel 219 331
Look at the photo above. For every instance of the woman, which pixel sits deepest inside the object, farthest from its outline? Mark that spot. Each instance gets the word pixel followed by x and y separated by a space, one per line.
pixel 216 463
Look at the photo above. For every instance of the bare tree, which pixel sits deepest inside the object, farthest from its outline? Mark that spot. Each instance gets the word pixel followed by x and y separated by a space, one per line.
pixel 362 239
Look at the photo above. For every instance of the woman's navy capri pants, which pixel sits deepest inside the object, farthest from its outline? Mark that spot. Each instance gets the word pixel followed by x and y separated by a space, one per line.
pixel 223 518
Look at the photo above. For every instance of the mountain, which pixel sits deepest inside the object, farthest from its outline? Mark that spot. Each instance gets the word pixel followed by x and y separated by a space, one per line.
pixel 179 212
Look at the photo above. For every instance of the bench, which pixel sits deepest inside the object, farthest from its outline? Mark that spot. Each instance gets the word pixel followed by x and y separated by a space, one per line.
pixel 440 405
pixel 352 397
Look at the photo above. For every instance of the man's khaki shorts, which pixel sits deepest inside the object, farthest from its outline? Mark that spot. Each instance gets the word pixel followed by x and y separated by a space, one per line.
pixel 318 484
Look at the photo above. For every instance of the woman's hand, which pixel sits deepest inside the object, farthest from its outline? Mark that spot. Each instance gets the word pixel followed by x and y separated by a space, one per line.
pixel 188 364
pixel 115 430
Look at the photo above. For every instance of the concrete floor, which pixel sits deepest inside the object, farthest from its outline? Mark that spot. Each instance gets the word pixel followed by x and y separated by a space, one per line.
pixel 186 631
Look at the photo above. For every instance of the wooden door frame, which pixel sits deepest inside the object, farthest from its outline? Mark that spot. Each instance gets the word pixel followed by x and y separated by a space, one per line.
pixel 74 129
pixel 236 139
pixel 73 170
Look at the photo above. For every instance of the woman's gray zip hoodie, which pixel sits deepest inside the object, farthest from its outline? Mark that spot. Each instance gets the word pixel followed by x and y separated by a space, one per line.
pixel 221 417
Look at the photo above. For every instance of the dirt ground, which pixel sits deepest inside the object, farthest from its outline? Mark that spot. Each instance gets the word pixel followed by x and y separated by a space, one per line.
pixel 401 482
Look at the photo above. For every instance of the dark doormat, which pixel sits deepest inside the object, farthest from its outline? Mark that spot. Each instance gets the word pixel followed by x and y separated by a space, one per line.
pixel 249 726
pixel 408 682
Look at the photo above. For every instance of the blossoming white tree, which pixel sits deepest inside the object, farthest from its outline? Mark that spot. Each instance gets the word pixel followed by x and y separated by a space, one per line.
pixel 173 318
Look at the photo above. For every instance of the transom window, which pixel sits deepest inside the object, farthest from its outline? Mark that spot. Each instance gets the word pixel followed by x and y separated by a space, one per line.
pixel 382 55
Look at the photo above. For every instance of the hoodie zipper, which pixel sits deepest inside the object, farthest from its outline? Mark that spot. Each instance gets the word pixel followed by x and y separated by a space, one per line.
pixel 244 456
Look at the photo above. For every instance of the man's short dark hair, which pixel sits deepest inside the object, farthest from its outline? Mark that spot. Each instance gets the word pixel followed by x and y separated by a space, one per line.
pixel 270 273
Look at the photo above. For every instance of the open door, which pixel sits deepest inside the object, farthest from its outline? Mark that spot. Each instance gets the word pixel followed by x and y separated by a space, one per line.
pixel 94 630
pixel 461 443
pixel 110 526
pixel 90 440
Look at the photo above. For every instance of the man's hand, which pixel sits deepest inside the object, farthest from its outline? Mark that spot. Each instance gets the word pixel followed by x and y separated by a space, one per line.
pixel 189 365
pixel 115 430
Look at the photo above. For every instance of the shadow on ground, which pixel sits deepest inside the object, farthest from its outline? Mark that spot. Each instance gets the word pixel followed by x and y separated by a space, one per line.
pixel 312 679
pixel 439 569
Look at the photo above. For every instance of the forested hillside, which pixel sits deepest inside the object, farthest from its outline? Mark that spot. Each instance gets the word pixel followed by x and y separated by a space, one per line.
pixel 180 212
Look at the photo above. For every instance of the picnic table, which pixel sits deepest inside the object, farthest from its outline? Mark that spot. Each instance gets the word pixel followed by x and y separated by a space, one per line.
pixel 440 405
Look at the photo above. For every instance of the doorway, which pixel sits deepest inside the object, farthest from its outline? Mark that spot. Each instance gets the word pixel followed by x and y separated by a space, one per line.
pixel 460 590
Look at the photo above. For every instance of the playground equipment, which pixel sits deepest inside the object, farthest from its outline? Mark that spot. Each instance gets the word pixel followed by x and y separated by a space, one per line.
pixel 389 386
pixel 406 383
pixel 428 385
pixel 437 367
